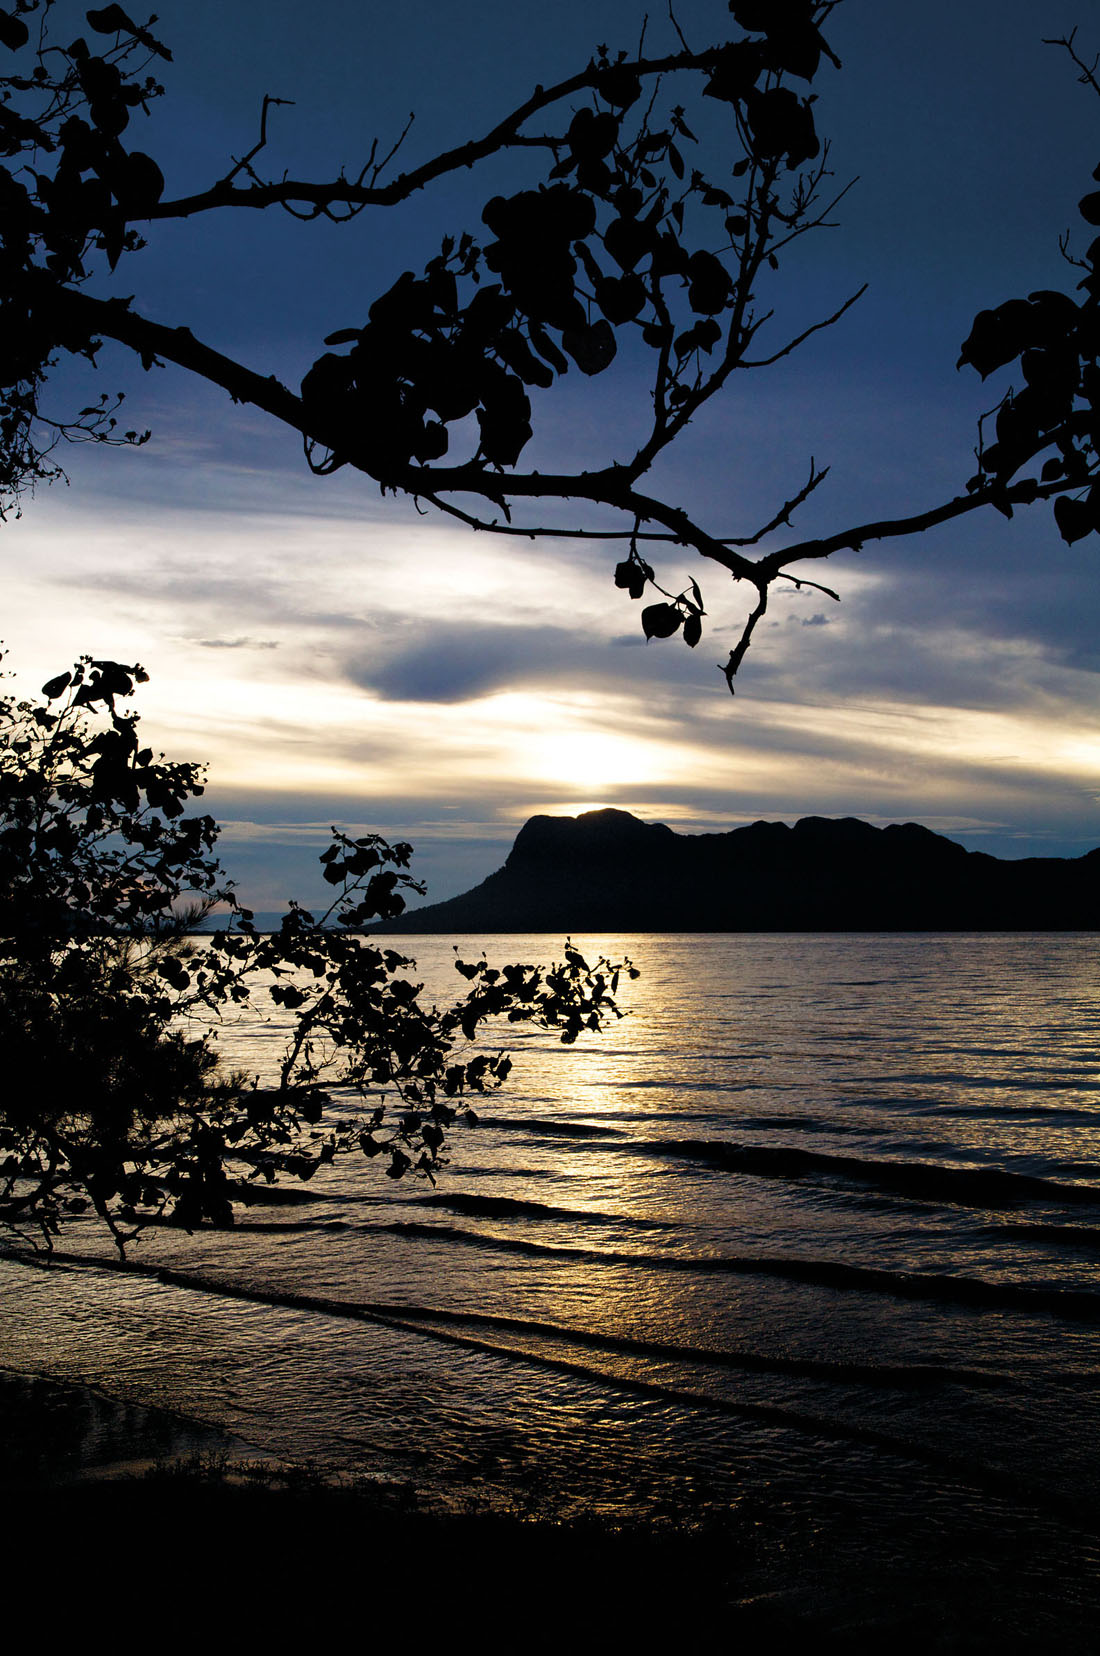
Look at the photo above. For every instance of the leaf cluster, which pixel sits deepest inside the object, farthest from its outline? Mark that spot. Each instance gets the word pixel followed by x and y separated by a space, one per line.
pixel 70 190
pixel 435 392
pixel 109 1009
pixel 622 235
pixel 1055 338
pixel 629 241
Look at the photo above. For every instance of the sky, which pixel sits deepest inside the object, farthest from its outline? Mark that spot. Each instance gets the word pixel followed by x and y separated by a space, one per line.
pixel 337 657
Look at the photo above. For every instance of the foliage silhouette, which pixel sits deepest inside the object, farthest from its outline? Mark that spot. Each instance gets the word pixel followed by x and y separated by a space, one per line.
pixel 632 234
pixel 115 1101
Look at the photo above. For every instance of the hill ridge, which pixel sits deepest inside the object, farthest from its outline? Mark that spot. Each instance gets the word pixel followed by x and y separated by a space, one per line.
pixel 607 870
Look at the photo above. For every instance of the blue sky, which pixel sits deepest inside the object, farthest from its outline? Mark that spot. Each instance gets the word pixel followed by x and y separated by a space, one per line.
pixel 339 658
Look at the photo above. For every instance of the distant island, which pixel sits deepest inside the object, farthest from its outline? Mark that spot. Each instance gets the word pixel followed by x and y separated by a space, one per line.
pixel 608 871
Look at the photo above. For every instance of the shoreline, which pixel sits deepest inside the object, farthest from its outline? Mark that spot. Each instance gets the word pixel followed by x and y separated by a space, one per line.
pixel 94 1484
pixel 245 1541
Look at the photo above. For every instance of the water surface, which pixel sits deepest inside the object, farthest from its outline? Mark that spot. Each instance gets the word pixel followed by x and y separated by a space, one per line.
pixel 809 1238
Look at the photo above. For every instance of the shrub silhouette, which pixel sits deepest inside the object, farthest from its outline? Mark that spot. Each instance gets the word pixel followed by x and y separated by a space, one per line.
pixel 115 1100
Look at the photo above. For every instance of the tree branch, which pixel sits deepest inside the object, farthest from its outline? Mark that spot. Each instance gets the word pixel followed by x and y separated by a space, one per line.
pixel 783 516
pixel 610 486
pixel 800 339
pixel 737 654
pixel 1019 494
pixel 151 340
pixel 504 135
pixel 1088 70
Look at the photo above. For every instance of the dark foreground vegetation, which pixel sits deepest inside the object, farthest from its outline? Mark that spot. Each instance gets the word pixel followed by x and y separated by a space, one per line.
pixel 381 1573
pixel 219 1528
pixel 236 1547
pixel 357 1561
pixel 117 1104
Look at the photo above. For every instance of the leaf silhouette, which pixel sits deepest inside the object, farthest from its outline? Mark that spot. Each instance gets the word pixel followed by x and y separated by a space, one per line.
pixel 660 620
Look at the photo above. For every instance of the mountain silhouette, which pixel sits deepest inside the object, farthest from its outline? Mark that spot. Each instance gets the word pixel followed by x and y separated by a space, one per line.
pixel 608 871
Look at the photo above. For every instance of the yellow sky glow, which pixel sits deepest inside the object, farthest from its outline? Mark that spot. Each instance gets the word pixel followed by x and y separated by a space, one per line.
pixel 262 634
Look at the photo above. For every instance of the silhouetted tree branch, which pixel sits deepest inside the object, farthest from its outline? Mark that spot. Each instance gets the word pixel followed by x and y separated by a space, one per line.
pixel 623 241
pixel 114 1104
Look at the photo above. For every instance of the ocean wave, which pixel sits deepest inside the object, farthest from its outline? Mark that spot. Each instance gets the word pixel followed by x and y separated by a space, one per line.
pixel 555 1129
pixel 463 1332
pixel 1078 1305
pixel 510 1207
pixel 1035 1082
pixel 1070 1236
pixel 919 1376
pixel 987 1187
pixel 1050 1114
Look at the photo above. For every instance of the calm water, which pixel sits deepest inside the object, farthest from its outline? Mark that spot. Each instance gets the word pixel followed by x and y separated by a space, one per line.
pixel 809 1237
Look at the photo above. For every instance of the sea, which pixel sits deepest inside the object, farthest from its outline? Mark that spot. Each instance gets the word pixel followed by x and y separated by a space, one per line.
pixel 804 1244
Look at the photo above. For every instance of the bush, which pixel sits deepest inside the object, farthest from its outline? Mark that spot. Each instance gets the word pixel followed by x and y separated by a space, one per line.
pixel 108 1009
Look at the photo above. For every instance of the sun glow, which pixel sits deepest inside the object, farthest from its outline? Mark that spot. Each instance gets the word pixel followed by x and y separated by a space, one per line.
pixel 591 759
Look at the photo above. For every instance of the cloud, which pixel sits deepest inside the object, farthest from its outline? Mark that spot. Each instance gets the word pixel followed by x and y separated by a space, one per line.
pixel 235 643
pixel 454 664
pixel 447 663
pixel 409 677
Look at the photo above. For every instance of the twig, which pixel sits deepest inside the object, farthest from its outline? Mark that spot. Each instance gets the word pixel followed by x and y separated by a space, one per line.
pixel 504 135
pixel 676 26
pixel 783 516
pixel 245 164
pixel 1088 71
pixel 387 158
pixel 737 654
pixel 800 339
pixel 800 581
